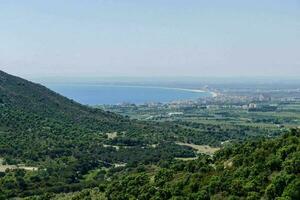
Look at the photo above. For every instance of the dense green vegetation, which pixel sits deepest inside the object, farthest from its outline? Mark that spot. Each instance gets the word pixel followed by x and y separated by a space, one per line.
pixel 266 168
pixel 213 123
pixel 255 169
pixel 54 148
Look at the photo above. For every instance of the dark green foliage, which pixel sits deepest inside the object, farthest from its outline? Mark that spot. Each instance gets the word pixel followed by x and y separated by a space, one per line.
pixel 265 168
pixel 69 145
pixel 66 140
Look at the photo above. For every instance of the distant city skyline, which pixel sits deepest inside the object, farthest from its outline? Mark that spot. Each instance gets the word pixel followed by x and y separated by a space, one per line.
pixel 172 38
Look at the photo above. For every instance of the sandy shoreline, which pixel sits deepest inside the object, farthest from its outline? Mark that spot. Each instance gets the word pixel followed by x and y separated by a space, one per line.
pixel 213 94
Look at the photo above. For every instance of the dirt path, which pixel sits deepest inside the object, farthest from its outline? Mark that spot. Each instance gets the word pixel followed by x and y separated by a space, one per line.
pixel 5 167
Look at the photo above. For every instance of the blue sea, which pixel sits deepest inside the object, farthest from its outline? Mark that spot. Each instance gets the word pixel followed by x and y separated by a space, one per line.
pixel 96 94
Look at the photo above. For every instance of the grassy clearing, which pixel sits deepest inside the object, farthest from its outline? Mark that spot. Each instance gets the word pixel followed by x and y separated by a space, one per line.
pixel 4 167
pixel 203 149
pixel 112 135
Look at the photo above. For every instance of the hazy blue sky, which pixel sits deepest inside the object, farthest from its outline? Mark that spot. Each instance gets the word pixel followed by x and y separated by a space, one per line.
pixel 150 38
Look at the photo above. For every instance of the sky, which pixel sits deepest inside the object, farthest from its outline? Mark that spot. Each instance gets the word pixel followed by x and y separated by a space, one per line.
pixel 157 38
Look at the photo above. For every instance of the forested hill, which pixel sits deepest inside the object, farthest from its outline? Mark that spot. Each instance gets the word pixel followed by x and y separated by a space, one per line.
pixel 20 98
pixel 37 124
pixel 33 98
pixel 40 129
pixel 265 169
pixel 29 106
pixel 54 148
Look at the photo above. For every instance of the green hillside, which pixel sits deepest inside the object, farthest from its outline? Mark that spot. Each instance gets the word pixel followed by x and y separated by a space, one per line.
pixel 24 96
pixel 54 148
pixel 42 129
pixel 37 123
pixel 264 169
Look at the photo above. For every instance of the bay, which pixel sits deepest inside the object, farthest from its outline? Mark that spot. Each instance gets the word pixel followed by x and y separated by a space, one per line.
pixel 97 94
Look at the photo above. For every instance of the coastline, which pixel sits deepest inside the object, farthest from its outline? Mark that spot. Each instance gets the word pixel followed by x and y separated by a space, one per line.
pixel 96 94
pixel 213 94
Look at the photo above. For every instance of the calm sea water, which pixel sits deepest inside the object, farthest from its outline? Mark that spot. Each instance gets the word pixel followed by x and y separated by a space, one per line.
pixel 107 94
